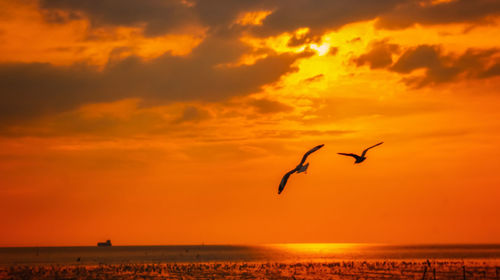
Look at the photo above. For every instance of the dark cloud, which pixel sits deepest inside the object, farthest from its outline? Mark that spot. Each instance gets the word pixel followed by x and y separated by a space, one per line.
pixel 333 51
pixel 439 67
pixel 379 56
pixel 355 40
pixel 424 56
pixel 162 16
pixel 193 114
pixel 289 15
pixel 158 16
pixel 491 71
pixel 423 12
pixel 76 123
pixel 314 78
pixel 321 15
pixel 222 13
pixel 32 89
pixel 299 40
pixel 266 106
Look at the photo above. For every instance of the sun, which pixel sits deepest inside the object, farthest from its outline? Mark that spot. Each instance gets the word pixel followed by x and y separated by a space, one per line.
pixel 321 49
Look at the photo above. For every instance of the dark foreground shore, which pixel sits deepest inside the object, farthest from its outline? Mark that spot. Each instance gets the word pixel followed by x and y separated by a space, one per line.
pixel 302 270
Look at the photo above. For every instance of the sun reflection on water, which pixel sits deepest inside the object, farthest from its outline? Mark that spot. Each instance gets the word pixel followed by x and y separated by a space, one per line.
pixel 319 248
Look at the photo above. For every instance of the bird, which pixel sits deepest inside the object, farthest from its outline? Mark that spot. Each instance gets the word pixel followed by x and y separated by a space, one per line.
pixel 360 159
pixel 299 168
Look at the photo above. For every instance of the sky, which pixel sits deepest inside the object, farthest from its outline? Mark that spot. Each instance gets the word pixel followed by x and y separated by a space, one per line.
pixel 159 122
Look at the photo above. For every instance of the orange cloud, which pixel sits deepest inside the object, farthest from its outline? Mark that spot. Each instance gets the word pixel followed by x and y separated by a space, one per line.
pixel 27 37
pixel 252 18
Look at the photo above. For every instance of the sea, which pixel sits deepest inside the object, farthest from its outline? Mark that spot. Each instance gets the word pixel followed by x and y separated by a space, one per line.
pixel 283 253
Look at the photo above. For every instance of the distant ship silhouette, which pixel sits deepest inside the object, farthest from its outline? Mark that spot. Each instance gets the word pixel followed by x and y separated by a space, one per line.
pixel 104 244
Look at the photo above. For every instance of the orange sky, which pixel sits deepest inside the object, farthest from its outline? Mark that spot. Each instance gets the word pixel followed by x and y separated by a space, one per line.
pixel 172 122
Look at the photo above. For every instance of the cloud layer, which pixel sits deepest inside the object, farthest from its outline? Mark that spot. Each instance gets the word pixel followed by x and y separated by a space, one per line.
pixel 31 89
pixel 427 13
pixel 439 66
pixel 160 16
pixel 210 72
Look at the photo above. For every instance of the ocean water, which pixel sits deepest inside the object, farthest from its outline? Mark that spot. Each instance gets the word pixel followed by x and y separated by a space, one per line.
pixel 310 252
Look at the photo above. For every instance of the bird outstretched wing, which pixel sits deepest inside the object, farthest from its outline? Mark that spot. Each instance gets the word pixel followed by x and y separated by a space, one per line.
pixel 299 167
pixel 349 155
pixel 366 150
pixel 285 179
pixel 310 152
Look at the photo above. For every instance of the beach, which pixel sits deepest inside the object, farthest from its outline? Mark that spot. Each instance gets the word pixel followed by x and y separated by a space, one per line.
pixel 301 270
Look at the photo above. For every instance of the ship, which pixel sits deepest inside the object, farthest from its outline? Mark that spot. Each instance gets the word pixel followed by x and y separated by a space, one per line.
pixel 104 244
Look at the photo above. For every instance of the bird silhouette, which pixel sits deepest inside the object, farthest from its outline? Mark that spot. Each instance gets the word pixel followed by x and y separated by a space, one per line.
pixel 299 168
pixel 360 159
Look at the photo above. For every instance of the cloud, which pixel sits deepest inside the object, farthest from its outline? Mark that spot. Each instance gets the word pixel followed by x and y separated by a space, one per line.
pixel 208 73
pixel 33 89
pixel 157 16
pixel 266 106
pixel 321 15
pixel 163 16
pixel 491 72
pixel 442 68
pixel 379 56
pixel 289 15
pixel 340 109
pixel 333 51
pixel 316 78
pixel 192 114
pixel 426 13
pixel 302 39
pixel 168 16
pixel 439 67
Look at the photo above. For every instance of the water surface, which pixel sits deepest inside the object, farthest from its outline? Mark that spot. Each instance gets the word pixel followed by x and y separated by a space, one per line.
pixel 234 253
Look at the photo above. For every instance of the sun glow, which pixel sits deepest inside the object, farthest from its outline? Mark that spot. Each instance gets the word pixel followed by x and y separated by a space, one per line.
pixel 321 49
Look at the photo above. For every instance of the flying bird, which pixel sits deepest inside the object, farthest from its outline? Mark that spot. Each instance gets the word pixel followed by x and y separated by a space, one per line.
pixel 360 159
pixel 299 168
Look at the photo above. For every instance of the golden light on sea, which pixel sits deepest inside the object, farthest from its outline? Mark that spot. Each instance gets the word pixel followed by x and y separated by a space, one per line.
pixel 317 248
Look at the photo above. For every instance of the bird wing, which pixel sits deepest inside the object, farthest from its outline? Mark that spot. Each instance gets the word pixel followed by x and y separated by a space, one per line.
pixel 349 155
pixel 366 150
pixel 285 179
pixel 310 152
